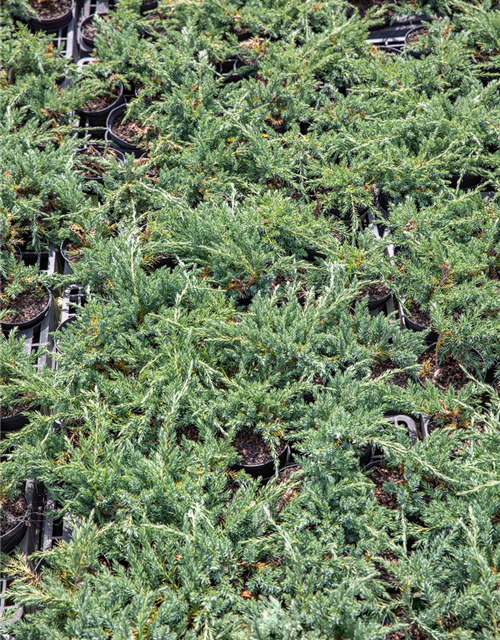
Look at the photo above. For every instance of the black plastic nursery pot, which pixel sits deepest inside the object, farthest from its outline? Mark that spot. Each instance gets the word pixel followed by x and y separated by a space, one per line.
pixel 93 173
pixel 374 457
pixel 285 477
pixel 234 69
pixel 412 36
pixel 153 28
pixel 291 465
pixel 86 60
pixel 467 182
pixel 18 252
pixel 266 469
pixel 285 469
pixel 11 538
pixel 378 297
pixel 99 117
pixel 408 421
pixel 32 322
pixel 383 202
pixel 12 423
pixel 88 41
pixel 381 226
pixel 120 142
pixel 52 25
pixel 162 261
pixel 59 329
pixel 148 5
pixel 431 338
pixel 64 249
pixel 371 457
pixel 376 302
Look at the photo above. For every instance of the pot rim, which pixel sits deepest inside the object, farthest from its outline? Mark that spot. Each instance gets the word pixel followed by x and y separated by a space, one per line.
pixel 33 322
pixel 86 60
pixel 120 158
pixel 105 110
pixel 14 417
pixel 407 317
pixel 90 41
pixel 285 449
pixel 112 116
pixel 60 326
pixel 418 27
pixel 56 23
pixel 20 526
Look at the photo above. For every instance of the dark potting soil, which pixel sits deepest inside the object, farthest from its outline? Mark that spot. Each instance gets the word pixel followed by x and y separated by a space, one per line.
pixel 411 632
pixel 374 291
pixel 399 379
pixel 152 171
pixel 292 491
pixel 12 512
pixel 385 574
pixel 442 375
pixel 102 100
pixel 26 306
pixel 6 412
pixel 415 36
pixel 286 473
pixel 90 159
pixel 419 316
pixel 47 9
pixel 130 131
pixel 189 431
pixel 364 5
pixel 281 280
pixel 89 30
pixel 73 253
pixel 232 485
pixel 155 20
pixel 277 123
pixel 252 448
pixel 380 476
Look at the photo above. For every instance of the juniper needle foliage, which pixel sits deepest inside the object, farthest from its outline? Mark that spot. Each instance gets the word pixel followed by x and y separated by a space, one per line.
pixel 288 172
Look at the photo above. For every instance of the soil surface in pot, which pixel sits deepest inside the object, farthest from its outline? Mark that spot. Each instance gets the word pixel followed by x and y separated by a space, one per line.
pixel 411 632
pixel 419 316
pixel 102 100
pixel 22 407
pixel 281 280
pixel 384 573
pixel 252 448
pixel 130 131
pixel 189 432
pixel 364 5
pixel 292 491
pixel 399 379
pixel 26 306
pixel 442 375
pixel 154 21
pixel 89 29
pixel 91 160
pixel 380 476
pixel 12 513
pixel 375 291
pixel 415 36
pixel 73 253
pixel 48 9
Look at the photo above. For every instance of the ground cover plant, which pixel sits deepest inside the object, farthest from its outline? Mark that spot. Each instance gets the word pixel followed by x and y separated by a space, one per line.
pixel 284 233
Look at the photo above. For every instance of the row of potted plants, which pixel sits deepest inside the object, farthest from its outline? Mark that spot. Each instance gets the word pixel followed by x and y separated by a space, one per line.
pixel 228 318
